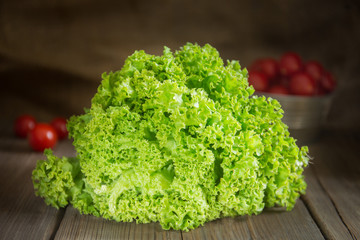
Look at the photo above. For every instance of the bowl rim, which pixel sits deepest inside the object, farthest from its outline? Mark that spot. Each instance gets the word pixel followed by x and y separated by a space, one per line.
pixel 295 97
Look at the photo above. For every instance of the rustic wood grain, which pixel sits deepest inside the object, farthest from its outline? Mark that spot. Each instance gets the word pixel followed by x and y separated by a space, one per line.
pixel 225 228
pixel 295 224
pixel 338 171
pixel 22 214
pixel 322 208
pixel 77 226
pixel 331 208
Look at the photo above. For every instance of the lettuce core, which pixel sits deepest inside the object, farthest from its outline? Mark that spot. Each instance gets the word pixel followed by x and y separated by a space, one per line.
pixel 178 139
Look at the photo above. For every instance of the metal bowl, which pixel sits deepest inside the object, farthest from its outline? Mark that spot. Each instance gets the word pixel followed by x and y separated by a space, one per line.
pixel 304 115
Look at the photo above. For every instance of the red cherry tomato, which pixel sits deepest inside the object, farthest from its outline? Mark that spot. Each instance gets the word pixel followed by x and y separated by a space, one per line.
pixel 302 84
pixel 279 89
pixel 42 136
pixel 314 69
pixel 268 66
pixel 256 65
pixel 327 82
pixel 59 124
pixel 290 63
pixel 23 125
pixel 258 80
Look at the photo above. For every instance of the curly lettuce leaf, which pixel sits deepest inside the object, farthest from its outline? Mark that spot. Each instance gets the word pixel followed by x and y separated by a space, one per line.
pixel 60 182
pixel 177 139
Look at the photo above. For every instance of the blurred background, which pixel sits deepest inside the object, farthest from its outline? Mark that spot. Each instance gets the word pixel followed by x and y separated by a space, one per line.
pixel 52 53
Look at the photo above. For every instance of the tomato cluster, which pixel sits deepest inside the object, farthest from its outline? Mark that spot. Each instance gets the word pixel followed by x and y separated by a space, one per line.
pixel 290 75
pixel 40 135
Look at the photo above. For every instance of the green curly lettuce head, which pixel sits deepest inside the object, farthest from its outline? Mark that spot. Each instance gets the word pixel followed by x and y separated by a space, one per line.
pixel 179 139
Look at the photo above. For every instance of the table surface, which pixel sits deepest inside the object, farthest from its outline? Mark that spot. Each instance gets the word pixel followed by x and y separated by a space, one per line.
pixel 330 209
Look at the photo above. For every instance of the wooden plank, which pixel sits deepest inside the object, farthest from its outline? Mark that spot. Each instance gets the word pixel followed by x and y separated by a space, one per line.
pixel 295 224
pixel 22 214
pixel 224 228
pixel 338 171
pixel 77 226
pixel 322 208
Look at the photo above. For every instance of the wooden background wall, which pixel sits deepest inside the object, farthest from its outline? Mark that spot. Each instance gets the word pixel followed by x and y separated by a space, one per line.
pixel 52 53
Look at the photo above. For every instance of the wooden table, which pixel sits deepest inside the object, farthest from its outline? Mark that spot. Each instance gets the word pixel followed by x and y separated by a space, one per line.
pixel 329 210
